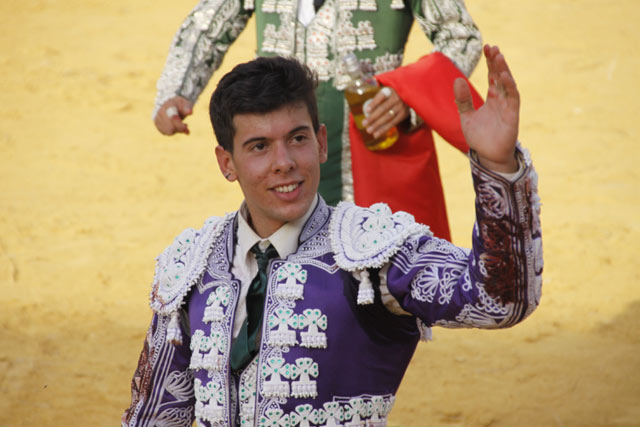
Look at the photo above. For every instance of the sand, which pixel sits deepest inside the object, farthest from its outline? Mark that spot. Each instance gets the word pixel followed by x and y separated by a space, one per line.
pixel 90 193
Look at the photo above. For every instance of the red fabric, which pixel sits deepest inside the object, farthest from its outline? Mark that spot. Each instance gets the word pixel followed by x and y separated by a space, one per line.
pixel 406 176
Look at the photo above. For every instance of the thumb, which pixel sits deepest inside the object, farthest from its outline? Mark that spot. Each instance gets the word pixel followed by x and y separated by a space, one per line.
pixel 185 107
pixel 462 94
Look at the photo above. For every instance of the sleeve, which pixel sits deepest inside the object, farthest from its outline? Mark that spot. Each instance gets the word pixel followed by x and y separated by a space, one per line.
pixel 198 47
pixel 451 30
pixel 498 282
pixel 162 385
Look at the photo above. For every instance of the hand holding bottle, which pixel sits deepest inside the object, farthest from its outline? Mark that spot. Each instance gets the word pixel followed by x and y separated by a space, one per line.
pixel 365 96
pixel 384 111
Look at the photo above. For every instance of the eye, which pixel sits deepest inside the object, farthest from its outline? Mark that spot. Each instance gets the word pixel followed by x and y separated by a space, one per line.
pixel 300 137
pixel 258 146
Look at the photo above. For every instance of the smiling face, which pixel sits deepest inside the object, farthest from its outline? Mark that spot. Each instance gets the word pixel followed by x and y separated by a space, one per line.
pixel 276 159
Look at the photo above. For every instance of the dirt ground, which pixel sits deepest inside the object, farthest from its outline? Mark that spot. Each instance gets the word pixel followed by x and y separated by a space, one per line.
pixel 90 193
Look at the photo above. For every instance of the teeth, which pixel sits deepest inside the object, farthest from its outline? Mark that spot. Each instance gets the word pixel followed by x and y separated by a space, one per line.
pixel 286 188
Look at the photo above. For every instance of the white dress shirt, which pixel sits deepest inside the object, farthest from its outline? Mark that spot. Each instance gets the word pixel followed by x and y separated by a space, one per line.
pixel 245 266
pixel 306 11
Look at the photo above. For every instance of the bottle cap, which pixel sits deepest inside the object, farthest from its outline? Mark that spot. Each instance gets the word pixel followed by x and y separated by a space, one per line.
pixel 351 62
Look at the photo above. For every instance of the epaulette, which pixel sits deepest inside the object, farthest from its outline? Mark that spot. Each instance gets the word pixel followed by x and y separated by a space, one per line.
pixel 364 238
pixel 179 267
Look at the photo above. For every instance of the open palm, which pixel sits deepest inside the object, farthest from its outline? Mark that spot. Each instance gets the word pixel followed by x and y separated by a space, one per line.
pixel 492 130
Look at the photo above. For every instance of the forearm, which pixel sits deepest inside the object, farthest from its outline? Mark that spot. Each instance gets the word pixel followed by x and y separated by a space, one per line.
pixel 451 30
pixel 497 283
pixel 507 241
pixel 198 48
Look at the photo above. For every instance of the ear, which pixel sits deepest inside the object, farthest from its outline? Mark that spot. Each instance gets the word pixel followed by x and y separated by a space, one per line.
pixel 321 136
pixel 225 163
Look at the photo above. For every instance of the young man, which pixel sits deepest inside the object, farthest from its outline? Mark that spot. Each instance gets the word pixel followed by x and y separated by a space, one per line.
pixel 290 312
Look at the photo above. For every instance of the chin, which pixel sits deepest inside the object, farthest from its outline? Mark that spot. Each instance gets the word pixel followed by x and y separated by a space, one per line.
pixel 292 213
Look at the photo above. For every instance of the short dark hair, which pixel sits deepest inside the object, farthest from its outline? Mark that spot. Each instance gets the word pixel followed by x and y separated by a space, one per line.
pixel 261 86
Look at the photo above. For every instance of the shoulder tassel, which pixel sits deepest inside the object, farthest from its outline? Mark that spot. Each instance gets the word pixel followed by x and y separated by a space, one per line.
pixel 174 335
pixel 365 290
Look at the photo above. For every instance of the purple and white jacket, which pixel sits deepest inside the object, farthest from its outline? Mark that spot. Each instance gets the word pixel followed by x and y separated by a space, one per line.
pixel 331 353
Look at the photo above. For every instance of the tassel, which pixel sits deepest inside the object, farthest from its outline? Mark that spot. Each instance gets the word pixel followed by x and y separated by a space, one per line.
pixel 425 331
pixel 365 290
pixel 174 335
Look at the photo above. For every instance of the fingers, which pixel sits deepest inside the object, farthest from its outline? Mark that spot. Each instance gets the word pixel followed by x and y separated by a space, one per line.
pixel 178 126
pixel 491 54
pixel 372 105
pixel 384 112
pixel 462 95
pixel 499 74
pixel 169 118
pixel 508 89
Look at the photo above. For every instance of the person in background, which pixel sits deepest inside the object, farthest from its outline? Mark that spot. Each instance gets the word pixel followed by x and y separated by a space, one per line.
pixel 289 312
pixel 319 33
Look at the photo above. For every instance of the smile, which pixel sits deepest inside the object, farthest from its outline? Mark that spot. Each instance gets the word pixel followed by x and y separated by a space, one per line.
pixel 286 188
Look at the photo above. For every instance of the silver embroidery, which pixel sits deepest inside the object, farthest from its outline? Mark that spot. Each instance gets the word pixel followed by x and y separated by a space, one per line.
pixel 197 49
pixel 368 237
pixel 175 417
pixel 316 322
pixel 247 393
pixel 272 371
pixel 347 175
pixel 452 32
pixel 210 400
pixel 302 373
pixel 279 322
pixel 179 385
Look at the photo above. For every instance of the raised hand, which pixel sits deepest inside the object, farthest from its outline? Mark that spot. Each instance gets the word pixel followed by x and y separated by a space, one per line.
pixel 492 130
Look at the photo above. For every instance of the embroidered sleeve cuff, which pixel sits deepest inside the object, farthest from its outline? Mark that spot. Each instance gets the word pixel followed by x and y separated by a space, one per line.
pixel 508 177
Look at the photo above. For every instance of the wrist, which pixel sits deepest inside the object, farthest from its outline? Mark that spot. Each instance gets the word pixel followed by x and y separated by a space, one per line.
pixel 508 165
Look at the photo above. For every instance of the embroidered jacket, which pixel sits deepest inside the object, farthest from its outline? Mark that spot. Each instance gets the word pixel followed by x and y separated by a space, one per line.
pixel 331 354
pixel 375 30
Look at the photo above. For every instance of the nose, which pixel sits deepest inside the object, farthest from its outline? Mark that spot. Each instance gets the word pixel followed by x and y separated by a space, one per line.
pixel 283 160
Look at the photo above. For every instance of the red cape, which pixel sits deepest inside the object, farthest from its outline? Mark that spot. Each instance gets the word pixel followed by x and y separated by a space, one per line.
pixel 406 176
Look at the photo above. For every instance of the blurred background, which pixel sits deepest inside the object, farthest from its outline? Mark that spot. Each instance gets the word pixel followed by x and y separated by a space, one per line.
pixel 90 193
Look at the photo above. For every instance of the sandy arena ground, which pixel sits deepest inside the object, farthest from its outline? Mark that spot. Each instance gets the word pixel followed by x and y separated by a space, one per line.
pixel 90 193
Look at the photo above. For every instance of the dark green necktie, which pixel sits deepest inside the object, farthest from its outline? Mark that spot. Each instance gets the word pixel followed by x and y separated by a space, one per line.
pixel 246 344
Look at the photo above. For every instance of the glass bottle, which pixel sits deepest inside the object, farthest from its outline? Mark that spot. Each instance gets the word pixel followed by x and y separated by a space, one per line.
pixel 360 90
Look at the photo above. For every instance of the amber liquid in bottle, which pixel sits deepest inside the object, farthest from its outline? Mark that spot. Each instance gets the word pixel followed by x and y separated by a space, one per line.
pixel 362 89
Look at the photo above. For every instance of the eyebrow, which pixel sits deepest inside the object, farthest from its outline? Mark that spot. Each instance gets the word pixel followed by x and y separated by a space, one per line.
pixel 299 129
pixel 290 133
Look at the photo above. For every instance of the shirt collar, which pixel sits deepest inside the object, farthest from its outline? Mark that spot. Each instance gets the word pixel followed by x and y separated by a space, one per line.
pixel 284 239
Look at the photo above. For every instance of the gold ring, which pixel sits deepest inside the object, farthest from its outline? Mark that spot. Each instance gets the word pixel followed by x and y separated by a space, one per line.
pixel 391 112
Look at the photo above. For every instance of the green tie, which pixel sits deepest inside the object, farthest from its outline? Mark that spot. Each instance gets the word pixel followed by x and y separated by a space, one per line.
pixel 245 346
